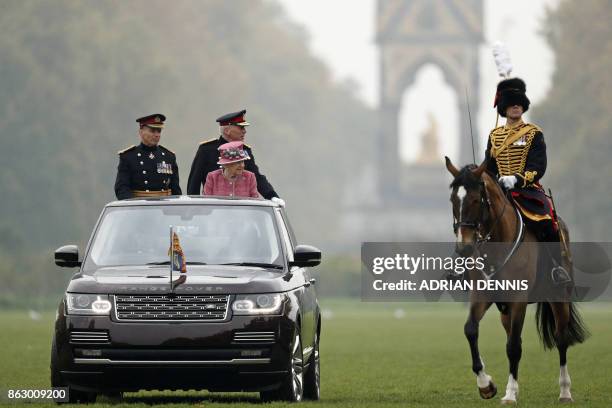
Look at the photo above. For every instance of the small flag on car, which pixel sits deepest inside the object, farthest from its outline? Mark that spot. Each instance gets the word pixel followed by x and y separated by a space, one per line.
pixel 177 260
pixel 178 257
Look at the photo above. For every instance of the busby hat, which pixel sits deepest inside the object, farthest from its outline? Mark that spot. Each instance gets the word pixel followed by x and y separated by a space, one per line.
pixel 234 118
pixel 155 121
pixel 511 92
pixel 232 152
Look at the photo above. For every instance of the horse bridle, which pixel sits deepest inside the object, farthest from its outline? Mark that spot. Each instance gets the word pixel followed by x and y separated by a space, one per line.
pixel 476 225
pixel 485 204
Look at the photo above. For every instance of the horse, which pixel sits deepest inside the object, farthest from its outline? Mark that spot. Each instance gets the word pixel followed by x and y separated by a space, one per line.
pixel 482 209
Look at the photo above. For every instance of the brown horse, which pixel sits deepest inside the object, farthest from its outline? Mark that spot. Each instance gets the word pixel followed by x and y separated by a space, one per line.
pixel 482 212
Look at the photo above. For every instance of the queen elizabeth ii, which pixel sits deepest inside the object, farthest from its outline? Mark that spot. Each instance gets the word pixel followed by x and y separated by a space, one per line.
pixel 231 179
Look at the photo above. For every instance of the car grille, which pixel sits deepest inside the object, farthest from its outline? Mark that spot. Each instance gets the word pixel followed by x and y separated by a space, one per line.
pixel 89 337
pixel 163 307
pixel 245 337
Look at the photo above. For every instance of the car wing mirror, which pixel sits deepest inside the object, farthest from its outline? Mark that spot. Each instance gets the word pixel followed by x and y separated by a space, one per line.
pixel 67 256
pixel 305 256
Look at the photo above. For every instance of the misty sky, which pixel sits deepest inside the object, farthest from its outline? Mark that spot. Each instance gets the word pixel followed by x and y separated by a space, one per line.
pixel 344 39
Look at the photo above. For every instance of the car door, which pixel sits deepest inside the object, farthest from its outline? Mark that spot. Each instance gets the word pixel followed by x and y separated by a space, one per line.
pixel 308 297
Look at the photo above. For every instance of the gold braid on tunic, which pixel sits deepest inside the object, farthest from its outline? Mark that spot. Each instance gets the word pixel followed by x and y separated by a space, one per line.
pixel 510 147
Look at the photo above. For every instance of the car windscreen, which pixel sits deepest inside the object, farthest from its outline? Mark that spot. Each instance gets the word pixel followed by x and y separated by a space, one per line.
pixel 208 234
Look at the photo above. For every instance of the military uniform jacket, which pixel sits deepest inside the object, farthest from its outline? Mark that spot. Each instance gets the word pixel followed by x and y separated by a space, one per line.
pixel 521 151
pixel 205 161
pixel 147 169
pixel 518 151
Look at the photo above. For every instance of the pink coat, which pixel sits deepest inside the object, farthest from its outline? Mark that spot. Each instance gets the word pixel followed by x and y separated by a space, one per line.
pixel 244 185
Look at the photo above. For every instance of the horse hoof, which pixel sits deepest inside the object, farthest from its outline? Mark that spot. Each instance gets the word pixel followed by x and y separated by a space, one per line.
pixel 508 402
pixel 566 400
pixel 489 391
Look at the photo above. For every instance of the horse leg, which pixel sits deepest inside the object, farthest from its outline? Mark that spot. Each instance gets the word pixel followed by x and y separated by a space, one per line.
pixel 505 321
pixel 486 387
pixel 561 312
pixel 507 324
pixel 514 350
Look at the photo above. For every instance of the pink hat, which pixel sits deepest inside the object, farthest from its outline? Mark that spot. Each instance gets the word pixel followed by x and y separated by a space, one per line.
pixel 232 152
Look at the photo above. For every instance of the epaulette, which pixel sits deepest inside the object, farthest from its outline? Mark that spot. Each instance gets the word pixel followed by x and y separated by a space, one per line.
pixel 536 127
pixel 209 140
pixel 127 149
pixel 498 129
pixel 166 149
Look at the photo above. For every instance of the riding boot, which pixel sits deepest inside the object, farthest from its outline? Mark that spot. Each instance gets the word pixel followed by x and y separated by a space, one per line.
pixel 558 273
pixel 552 241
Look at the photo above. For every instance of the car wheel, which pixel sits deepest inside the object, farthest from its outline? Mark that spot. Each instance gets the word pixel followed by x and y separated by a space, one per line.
pixel 74 396
pixel 312 378
pixel 292 388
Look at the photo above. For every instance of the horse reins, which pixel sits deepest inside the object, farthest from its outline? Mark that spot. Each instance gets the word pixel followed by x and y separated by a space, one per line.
pixel 517 242
pixel 480 240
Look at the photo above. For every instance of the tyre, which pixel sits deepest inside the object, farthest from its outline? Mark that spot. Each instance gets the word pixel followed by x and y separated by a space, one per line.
pixel 74 396
pixel 312 377
pixel 292 388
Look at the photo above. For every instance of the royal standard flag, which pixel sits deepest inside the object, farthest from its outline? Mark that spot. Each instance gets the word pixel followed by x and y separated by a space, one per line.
pixel 178 257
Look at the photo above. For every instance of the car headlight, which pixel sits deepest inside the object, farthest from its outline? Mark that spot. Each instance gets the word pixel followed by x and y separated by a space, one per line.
pixel 271 303
pixel 86 304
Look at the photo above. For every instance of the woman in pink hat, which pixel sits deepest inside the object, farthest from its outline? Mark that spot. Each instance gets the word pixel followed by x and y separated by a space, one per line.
pixel 231 179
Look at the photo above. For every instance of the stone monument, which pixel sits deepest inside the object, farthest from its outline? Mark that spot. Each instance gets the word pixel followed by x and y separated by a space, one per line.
pixel 400 202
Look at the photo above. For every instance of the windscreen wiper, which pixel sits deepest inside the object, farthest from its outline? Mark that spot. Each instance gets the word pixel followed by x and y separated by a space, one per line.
pixel 259 264
pixel 168 263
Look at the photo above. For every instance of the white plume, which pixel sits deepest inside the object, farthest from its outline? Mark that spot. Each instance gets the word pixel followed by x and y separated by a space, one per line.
pixel 502 59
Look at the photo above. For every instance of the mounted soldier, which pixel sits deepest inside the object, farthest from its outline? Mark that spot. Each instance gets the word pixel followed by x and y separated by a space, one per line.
pixel 516 154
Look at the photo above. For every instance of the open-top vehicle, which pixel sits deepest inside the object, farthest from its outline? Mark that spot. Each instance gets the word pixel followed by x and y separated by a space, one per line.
pixel 246 318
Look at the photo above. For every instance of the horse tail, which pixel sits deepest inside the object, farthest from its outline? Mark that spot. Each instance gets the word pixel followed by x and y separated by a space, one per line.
pixel 545 323
pixel 575 333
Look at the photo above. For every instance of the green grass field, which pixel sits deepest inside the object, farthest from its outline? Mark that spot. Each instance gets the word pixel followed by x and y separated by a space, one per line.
pixel 371 358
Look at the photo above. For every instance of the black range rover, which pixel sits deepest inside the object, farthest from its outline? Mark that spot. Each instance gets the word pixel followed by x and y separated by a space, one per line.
pixel 245 319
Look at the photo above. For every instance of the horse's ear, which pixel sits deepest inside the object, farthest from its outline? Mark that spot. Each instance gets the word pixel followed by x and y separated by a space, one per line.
pixel 480 169
pixel 451 167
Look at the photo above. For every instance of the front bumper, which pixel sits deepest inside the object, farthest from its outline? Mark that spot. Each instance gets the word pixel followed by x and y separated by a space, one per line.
pixel 174 355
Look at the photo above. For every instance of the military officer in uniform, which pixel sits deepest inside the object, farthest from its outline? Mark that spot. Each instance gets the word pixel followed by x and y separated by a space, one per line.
pixel 149 169
pixel 233 129
pixel 516 153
